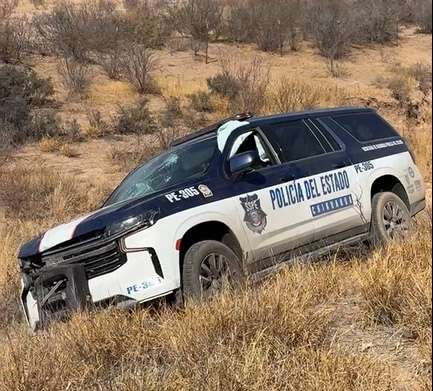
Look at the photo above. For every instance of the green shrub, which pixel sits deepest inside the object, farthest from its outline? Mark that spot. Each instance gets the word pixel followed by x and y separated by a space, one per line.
pixel 224 84
pixel 135 119
pixel 22 97
pixel 171 113
pixel 201 102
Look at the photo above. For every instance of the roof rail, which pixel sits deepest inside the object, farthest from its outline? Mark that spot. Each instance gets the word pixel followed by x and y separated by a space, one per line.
pixel 212 128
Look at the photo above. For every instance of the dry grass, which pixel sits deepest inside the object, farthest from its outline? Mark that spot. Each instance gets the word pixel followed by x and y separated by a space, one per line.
pixel 278 332
pixel 286 333
pixel 289 94
pixel 396 289
pixel 279 335
pixel 40 194
pixel 274 336
pixel 50 145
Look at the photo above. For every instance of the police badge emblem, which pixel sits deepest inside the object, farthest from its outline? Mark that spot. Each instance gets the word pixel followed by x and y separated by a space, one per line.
pixel 255 218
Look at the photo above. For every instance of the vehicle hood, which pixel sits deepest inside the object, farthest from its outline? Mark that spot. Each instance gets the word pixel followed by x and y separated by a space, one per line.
pixel 95 223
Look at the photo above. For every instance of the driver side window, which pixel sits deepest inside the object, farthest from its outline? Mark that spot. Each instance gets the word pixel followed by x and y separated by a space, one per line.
pixel 251 141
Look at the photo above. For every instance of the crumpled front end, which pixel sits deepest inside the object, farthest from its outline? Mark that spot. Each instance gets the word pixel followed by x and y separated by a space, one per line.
pixel 89 273
pixel 56 282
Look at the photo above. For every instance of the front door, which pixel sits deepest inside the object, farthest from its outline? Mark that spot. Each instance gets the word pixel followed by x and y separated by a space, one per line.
pixel 272 203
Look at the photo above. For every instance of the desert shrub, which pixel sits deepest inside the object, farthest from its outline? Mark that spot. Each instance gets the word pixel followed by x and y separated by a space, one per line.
pixel 166 137
pixel 44 123
pixel 10 307
pixel 171 113
pixel 407 81
pixel 278 23
pixel 201 102
pixel 199 19
pixel 422 73
pixel 401 88
pixel 138 64
pixel 377 20
pixel 68 151
pixel 224 84
pixel 37 194
pixel 240 21
pixel 332 28
pixel 422 10
pixel 97 125
pixel 76 76
pixel 135 119
pixel 148 23
pixel 251 79
pixel 22 95
pixel 63 31
pixel 14 39
pixel 271 25
pixel 71 131
pixel 79 30
pixel 111 63
pixel 194 120
pixel 288 95
pixel 50 144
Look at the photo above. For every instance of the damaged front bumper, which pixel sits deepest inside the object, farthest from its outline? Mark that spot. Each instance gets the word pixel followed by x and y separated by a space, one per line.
pixel 54 294
pixel 89 275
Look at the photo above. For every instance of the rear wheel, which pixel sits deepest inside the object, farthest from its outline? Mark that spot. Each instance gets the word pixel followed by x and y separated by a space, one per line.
pixel 391 220
pixel 208 267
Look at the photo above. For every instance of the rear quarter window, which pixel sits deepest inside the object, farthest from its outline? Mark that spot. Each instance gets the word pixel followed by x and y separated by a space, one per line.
pixel 366 127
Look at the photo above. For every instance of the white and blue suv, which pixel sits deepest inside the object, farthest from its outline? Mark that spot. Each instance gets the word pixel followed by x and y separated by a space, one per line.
pixel 232 200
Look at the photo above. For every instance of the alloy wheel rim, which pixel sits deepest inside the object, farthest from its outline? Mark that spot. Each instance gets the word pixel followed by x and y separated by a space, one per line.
pixel 214 273
pixel 395 221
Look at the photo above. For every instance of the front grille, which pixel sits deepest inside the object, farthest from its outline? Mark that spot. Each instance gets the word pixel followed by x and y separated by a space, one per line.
pixel 98 256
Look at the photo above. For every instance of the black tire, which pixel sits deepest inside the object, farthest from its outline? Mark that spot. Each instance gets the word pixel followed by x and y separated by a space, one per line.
pixel 207 266
pixel 391 219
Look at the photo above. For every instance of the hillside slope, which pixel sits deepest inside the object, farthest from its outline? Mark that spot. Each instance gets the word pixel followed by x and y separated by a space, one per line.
pixel 358 320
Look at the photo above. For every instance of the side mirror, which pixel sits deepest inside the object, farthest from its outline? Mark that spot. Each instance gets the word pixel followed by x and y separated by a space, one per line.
pixel 243 162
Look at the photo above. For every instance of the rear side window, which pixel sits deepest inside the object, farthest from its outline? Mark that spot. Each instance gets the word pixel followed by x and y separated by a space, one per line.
pixel 330 140
pixel 366 126
pixel 294 140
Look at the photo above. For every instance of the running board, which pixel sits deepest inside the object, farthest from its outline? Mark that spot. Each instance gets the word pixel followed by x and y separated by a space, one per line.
pixel 308 257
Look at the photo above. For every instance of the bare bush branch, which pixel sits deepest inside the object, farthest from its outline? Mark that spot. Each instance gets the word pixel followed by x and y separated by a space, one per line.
pixel 243 83
pixel 14 39
pixel 198 19
pixel 138 65
pixel 75 76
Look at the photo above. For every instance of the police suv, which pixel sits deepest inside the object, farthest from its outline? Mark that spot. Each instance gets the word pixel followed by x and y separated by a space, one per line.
pixel 232 200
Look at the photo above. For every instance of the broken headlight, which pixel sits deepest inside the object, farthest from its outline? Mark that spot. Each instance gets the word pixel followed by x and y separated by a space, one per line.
pixel 135 223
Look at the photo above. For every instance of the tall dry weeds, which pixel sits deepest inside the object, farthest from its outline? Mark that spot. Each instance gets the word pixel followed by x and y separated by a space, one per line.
pixel 280 334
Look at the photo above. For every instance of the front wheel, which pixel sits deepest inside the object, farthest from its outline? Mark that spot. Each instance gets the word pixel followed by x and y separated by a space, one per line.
pixel 391 220
pixel 209 266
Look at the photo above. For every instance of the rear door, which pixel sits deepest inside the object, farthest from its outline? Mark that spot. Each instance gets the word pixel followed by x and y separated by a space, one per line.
pixel 319 189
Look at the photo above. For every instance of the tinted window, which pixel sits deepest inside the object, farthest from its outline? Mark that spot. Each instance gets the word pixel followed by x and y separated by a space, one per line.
pixel 366 126
pixel 329 138
pixel 294 141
